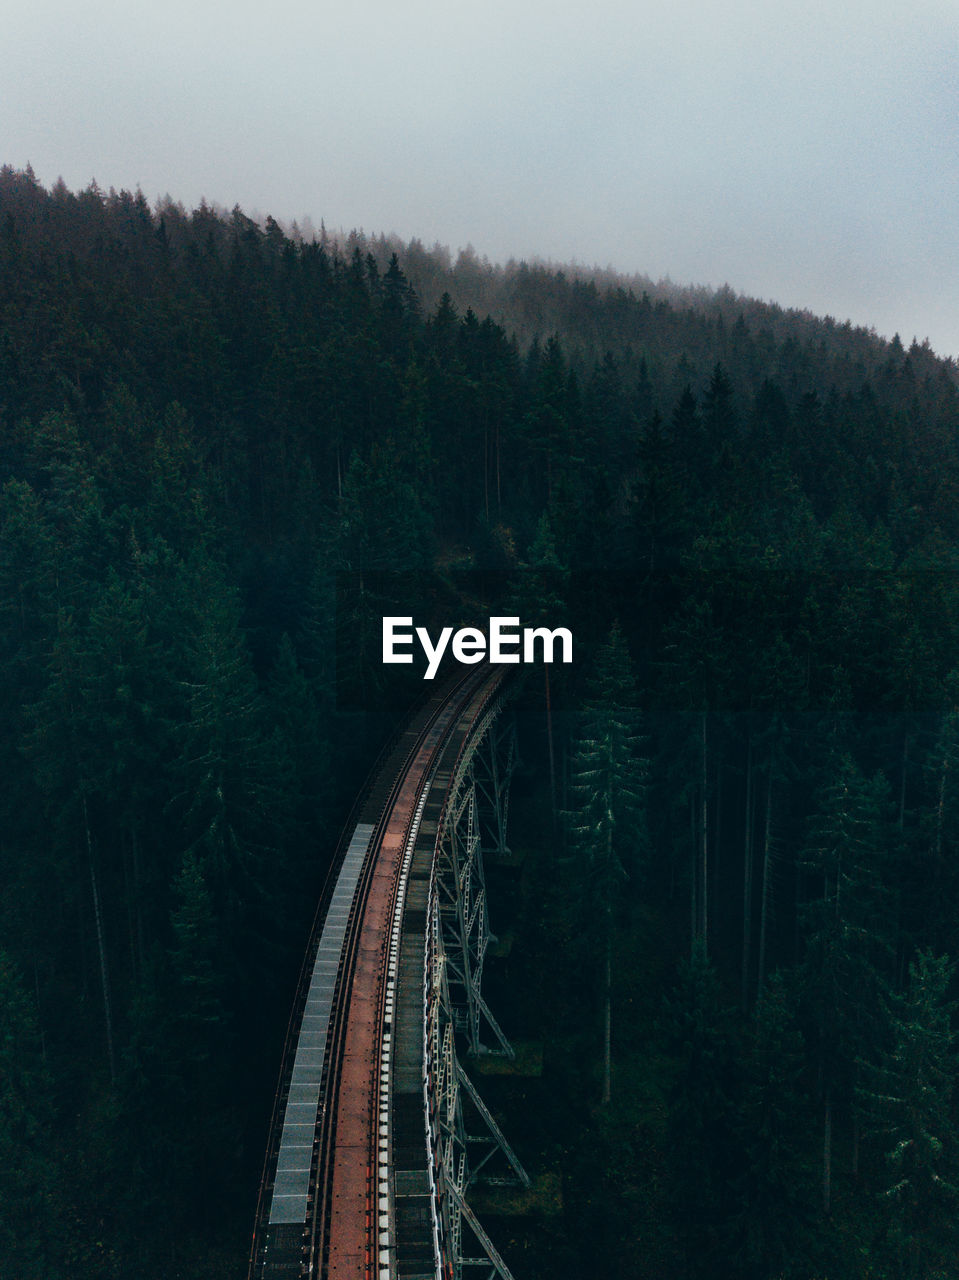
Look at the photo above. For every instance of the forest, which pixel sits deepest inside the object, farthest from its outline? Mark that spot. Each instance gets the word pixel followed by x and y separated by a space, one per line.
pixel 227 450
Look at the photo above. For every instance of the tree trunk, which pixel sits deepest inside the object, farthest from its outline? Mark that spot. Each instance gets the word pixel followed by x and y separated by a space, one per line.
pixel 748 877
pixel 36 987
pixel 499 500
pixel 902 781
pixel 608 1015
pixel 766 877
pixel 486 466
pixel 717 826
pixel 564 775
pixel 608 976
pixel 901 945
pixel 693 877
pixel 101 949
pixel 940 813
pixel 705 847
pixel 138 895
pixel 549 742
pixel 128 898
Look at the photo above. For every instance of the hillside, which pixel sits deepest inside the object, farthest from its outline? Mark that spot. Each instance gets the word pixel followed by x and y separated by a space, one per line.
pixel 225 452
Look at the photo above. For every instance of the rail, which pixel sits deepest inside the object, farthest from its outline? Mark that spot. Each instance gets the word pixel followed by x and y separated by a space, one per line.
pixel 402 770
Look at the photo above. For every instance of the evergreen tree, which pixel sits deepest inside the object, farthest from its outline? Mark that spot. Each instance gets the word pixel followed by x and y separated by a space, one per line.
pixel 547 422
pixel 934 887
pixel 705 1155
pixel 297 715
pixel 908 1101
pixel 850 934
pixel 232 797
pixel 607 822
pixel 766 1233
pixel 696 665
pixel 540 599
pixel 661 498
pixel 31 1192
pixel 175 1115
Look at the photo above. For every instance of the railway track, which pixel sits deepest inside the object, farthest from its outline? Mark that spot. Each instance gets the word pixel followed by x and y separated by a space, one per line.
pixel 326 1205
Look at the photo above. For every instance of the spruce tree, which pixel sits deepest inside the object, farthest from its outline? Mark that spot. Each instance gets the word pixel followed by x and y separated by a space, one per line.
pixel 766 1230
pixel 607 821
pixel 31 1194
pixel 907 1098
pixel 850 934
pixel 705 1151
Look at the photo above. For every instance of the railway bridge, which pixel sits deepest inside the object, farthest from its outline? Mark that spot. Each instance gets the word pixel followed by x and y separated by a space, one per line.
pixel 378 1132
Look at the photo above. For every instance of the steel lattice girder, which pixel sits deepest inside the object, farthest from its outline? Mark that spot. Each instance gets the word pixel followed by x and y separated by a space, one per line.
pixel 457 938
pixel 477 801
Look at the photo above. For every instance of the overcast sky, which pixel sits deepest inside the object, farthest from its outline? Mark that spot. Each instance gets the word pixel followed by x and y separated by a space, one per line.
pixel 801 151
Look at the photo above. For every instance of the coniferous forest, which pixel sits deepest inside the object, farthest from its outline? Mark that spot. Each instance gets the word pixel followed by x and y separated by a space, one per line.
pixel 731 923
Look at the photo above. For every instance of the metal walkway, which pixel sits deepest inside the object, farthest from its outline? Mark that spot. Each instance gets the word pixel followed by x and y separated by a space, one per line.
pixel 292 1180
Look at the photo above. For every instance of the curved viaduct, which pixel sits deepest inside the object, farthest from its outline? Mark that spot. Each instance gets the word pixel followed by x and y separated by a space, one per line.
pixel 369 1159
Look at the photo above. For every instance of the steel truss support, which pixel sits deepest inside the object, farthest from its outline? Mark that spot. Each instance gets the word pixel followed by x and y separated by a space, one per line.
pixel 498 1138
pixel 474 823
pixel 493 765
pixel 457 935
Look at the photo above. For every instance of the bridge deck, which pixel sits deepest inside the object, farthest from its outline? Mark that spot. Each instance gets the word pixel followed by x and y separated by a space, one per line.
pixel 347 1188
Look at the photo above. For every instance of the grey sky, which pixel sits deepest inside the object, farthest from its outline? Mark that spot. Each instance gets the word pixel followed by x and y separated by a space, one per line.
pixel 800 151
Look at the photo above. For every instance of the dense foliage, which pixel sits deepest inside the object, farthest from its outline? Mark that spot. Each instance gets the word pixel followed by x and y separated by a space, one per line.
pixel 203 421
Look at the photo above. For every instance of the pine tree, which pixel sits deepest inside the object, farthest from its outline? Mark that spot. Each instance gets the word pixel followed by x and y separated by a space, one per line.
pixel 706 1155
pixel 935 886
pixel 850 933
pixel 296 712
pixel 540 600
pixel 661 497
pixel 607 822
pixel 233 799
pixel 547 422
pixel 174 1113
pixel 766 1230
pixel 907 1098
pixel 697 665
pixel 31 1196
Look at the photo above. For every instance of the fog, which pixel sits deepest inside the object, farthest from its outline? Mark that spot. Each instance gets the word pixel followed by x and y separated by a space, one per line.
pixel 800 152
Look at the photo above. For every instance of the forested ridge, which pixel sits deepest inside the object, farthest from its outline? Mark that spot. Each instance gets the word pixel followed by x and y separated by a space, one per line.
pixel 225 451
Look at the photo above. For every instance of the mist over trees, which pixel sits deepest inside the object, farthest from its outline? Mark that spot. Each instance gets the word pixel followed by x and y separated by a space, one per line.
pixel 223 448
